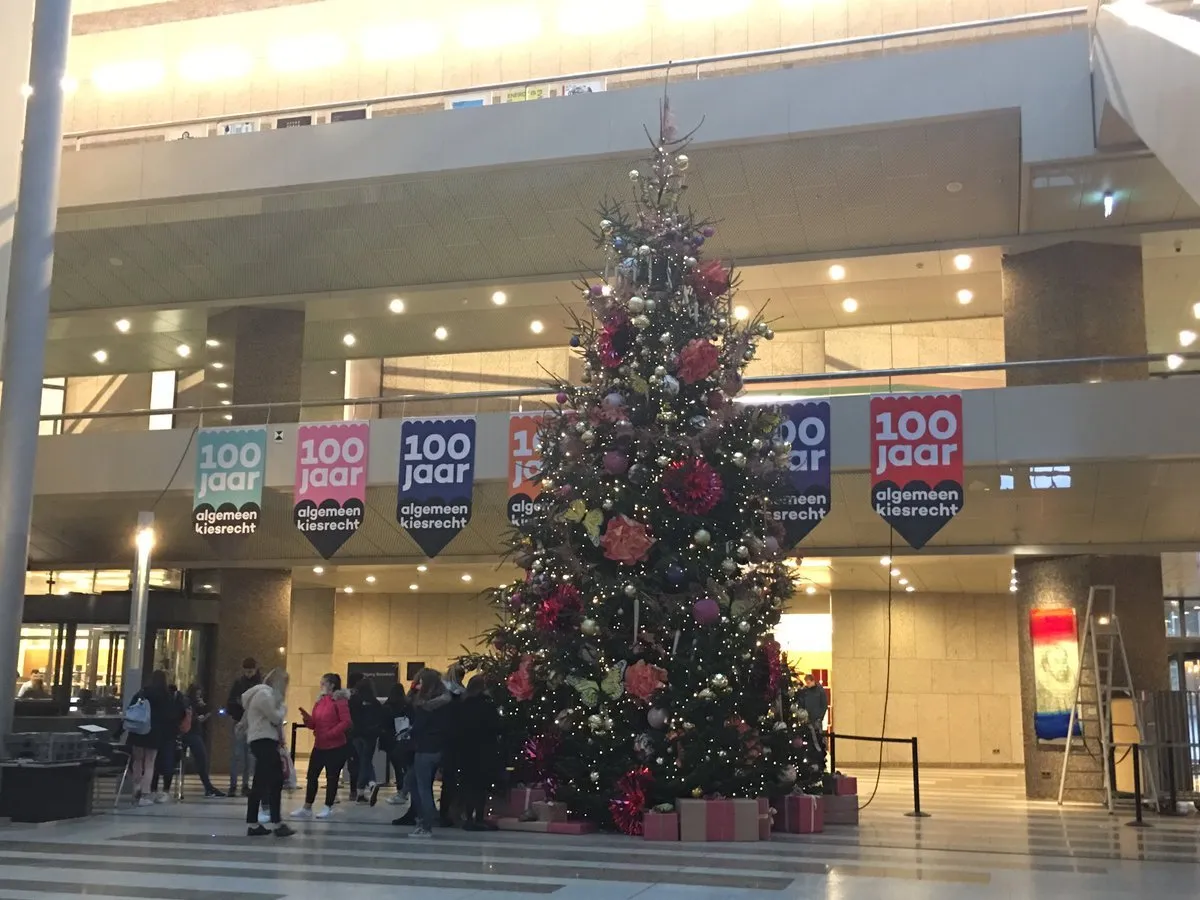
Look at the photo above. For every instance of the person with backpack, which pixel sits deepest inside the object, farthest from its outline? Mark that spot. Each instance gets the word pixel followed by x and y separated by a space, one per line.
pixel 367 715
pixel 396 740
pixel 164 765
pixel 146 723
pixel 241 761
pixel 193 731
pixel 330 723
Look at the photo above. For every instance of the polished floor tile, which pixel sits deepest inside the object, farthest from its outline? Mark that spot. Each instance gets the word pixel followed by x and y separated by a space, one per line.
pixel 982 842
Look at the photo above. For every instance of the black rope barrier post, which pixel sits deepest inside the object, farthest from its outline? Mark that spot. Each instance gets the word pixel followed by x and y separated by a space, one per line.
pixel 1172 788
pixel 295 727
pixel 916 773
pixel 832 751
pixel 1138 821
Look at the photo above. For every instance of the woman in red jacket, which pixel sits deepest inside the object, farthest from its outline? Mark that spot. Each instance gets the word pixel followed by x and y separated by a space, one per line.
pixel 330 724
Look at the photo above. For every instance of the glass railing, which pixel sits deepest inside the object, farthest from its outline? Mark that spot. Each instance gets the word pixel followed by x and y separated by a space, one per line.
pixel 758 389
pixel 567 84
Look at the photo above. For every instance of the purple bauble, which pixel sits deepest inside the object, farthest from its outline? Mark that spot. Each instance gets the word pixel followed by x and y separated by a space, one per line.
pixel 615 462
pixel 698 240
pixel 772 545
pixel 561 398
pixel 657 717
pixel 597 290
pixel 614 400
pixel 708 231
pixel 706 611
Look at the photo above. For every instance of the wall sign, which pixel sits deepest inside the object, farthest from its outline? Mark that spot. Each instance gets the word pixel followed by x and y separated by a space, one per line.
pixel 524 464
pixel 917 463
pixel 1055 637
pixel 227 499
pixel 805 428
pixel 331 483
pixel 437 475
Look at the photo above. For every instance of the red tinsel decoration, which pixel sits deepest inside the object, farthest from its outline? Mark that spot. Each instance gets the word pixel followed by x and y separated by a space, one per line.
pixel 613 341
pixel 774 667
pixel 564 599
pixel 629 805
pixel 710 280
pixel 692 486
pixel 538 761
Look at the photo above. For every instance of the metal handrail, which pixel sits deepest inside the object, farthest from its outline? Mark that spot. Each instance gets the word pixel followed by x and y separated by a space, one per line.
pixel 520 394
pixel 695 61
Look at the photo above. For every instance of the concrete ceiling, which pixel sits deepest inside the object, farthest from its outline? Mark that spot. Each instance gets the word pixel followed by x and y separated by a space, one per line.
pixel 1109 507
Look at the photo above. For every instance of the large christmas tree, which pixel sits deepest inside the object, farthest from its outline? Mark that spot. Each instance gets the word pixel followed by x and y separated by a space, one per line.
pixel 637 654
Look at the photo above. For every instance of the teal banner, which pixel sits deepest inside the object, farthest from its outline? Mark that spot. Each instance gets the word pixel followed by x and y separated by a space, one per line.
pixel 230 466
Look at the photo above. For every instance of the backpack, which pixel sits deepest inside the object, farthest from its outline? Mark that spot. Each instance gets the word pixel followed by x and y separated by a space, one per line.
pixel 137 717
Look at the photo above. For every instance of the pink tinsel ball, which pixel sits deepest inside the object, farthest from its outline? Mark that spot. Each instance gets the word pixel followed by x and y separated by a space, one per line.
pixel 706 611
pixel 692 486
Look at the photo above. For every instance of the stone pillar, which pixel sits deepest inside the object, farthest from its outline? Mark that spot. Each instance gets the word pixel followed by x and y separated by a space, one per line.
pixel 310 651
pixel 1074 300
pixel 253 621
pixel 263 352
pixel 16 24
pixel 1063 582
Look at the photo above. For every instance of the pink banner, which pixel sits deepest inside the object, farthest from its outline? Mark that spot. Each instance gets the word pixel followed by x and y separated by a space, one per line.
pixel 331 482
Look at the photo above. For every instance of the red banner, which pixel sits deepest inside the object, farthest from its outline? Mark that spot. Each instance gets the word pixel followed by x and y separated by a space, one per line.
pixel 917 463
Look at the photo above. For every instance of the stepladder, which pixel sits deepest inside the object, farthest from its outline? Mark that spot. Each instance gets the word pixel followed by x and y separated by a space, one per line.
pixel 1102 674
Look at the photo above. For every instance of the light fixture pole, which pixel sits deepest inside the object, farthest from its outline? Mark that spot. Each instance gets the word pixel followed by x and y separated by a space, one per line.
pixel 28 315
pixel 139 603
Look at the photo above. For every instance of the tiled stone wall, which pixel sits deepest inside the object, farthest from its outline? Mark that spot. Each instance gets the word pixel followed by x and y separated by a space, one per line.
pixel 265 348
pixel 954 677
pixel 328 631
pixel 605 39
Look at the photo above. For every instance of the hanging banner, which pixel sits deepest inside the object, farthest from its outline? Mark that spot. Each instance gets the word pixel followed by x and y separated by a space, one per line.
pixel 1055 637
pixel 227 500
pixel 331 483
pixel 437 475
pixel 524 464
pixel 805 429
pixel 917 463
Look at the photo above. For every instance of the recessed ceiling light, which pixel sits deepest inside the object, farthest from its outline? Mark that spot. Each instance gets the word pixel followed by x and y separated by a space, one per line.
pixel 422 568
pixel 349 340
pixel 536 326
pixel 894 572
pixel 100 356
pixel 347 590
pixel 412 587
pixel 965 296
pixel 212 342
pixel 227 403
pixel 499 298
pixel 333 371
pixel 466 577
pixel 27 90
pixel 1187 338
pixel 370 579
pixel 910 589
pixel 116 262
pixel 1012 588
pixel 885 561
pixel 222 385
pixel 741 313
pixel 318 570
pixel 836 272
pixel 206 587
pixel 1174 361
pixel 962 262
pixel 850 305
pixel 397 305
pixel 228 417
pixel 441 333
pixel 217 365
pixel 184 350
pixel 903 581
pixel 811 589
pixel 954 187
pixel 122 325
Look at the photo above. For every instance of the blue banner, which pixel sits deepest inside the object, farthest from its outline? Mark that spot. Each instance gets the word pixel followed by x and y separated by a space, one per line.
pixel 437 475
pixel 230 466
pixel 805 429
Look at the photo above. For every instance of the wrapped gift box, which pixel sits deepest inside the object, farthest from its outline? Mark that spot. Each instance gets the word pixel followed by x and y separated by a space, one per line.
pixel 800 814
pixel 570 827
pixel 841 809
pixel 658 826
pixel 765 818
pixel 521 800
pixel 845 786
pixel 720 820
pixel 549 811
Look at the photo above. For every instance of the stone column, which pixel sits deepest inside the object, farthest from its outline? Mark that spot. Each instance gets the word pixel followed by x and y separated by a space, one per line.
pixel 16 24
pixel 1063 582
pixel 262 350
pixel 255 610
pixel 1074 300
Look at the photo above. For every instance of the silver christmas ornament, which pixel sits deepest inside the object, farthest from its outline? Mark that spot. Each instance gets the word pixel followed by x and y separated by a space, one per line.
pixel 651 305
pixel 757 443
pixel 744 627
pixel 706 694
pixel 660 371
pixel 606 226
pixel 663 460
pixel 644 250
pixel 630 590
pixel 683 162
pixel 636 304
pixel 588 437
pixel 590 627
pixel 665 337
pixel 743 551
pixel 606 505
pixel 641 322
pixel 702 538
pixel 670 385
pixel 595 776
pixel 739 460
pixel 729 566
pixel 634 174
pixel 763 328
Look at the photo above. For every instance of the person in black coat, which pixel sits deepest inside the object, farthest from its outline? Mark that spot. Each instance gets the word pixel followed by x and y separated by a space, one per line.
pixel 144 747
pixel 397 745
pixel 366 714
pixel 480 763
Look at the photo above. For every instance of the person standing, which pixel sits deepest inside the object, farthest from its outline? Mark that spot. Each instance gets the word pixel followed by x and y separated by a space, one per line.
pixel 451 763
pixel 265 710
pixel 396 740
pixel 194 738
pixel 430 723
pixel 479 758
pixel 179 721
pixel 143 748
pixel 367 716
pixel 330 723
pixel 240 759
